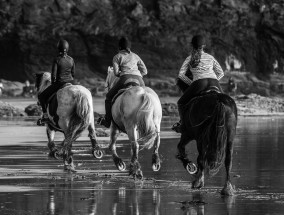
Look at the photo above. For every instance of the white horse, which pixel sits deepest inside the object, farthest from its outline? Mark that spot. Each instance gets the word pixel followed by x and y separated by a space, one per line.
pixel 71 112
pixel 137 112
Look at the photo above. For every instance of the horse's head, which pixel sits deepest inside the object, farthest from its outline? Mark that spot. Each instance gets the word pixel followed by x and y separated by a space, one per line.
pixel 111 78
pixel 42 81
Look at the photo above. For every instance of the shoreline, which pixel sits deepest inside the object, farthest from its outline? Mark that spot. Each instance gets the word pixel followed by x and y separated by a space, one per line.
pixel 31 120
pixel 248 106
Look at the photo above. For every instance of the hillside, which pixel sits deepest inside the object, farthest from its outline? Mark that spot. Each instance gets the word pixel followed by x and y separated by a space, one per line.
pixel 249 32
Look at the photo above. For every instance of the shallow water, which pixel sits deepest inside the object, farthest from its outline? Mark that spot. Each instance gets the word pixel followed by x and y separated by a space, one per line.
pixel 31 183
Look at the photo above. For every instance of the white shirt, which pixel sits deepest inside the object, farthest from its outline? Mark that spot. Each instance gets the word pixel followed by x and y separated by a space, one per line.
pixel 208 67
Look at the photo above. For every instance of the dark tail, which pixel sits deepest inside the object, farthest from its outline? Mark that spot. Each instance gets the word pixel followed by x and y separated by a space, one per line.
pixel 214 140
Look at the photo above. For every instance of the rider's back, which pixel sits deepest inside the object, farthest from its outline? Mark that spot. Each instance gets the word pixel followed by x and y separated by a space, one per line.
pixel 129 63
pixel 63 69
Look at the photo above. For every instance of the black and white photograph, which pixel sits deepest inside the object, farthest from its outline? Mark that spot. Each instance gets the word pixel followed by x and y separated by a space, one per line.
pixel 141 107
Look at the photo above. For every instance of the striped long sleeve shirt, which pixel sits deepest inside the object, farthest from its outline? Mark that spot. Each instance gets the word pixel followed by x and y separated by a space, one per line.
pixel 207 68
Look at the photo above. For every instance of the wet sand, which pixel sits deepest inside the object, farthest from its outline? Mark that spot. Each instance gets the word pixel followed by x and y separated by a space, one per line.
pixel 32 183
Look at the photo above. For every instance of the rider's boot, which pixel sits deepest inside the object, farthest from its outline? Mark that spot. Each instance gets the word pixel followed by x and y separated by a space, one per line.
pixel 106 120
pixel 179 126
pixel 44 119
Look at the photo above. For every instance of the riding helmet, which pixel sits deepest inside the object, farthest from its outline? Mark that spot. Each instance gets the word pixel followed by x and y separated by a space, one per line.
pixel 63 46
pixel 198 41
pixel 124 43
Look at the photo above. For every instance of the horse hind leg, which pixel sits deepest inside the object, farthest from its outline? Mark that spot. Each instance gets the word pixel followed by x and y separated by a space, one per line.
pixel 97 153
pixel 199 180
pixel 135 167
pixel 114 132
pixel 53 151
pixel 68 155
pixel 228 189
pixel 156 162
pixel 70 137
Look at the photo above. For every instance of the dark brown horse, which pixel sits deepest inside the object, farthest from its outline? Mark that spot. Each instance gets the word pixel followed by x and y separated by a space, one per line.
pixel 211 120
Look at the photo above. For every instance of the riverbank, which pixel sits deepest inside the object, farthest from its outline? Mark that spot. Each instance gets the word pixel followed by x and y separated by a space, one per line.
pixel 248 105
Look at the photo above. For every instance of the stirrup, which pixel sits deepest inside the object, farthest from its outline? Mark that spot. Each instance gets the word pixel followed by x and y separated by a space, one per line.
pixel 177 127
pixel 42 121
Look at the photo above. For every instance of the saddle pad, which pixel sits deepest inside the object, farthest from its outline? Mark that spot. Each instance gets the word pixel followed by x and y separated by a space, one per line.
pixel 201 108
pixel 50 98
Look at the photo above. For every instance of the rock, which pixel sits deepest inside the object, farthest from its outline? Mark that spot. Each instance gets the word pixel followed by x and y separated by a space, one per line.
pixel 12 88
pixel 170 109
pixel 259 105
pixel 100 132
pixel 33 110
pixel 7 110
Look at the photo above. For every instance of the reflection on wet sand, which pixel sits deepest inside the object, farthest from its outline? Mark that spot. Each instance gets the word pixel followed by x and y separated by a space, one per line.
pixel 114 202
pixel 101 199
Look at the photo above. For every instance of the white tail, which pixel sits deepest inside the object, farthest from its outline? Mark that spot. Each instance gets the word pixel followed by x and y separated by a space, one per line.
pixel 146 126
pixel 80 118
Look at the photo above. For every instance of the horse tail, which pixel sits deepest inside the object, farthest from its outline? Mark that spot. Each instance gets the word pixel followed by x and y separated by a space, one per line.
pixel 145 123
pixel 80 117
pixel 214 140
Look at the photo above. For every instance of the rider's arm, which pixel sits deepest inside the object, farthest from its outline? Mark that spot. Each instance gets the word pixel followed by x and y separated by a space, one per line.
pixel 182 71
pixel 115 64
pixel 217 69
pixel 141 67
pixel 54 71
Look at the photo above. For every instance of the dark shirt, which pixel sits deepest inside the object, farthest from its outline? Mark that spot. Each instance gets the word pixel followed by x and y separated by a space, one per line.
pixel 63 69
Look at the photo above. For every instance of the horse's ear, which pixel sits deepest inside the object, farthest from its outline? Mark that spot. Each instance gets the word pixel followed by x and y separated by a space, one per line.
pixel 35 75
pixel 108 69
pixel 38 74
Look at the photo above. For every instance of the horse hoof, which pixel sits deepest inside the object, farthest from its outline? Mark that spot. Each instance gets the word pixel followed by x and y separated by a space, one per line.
pixel 70 169
pixel 57 155
pixel 191 168
pixel 139 175
pixel 98 154
pixel 156 167
pixel 121 166
pixel 228 190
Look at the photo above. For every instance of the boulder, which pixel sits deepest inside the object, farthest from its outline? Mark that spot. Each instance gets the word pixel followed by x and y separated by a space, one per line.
pixel 7 110
pixel 33 110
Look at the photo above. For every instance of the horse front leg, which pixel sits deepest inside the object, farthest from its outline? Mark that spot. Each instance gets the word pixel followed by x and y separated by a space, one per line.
pixel 182 156
pixel 114 132
pixel 156 162
pixel 53 152
pixel 135 167
pixel 96 151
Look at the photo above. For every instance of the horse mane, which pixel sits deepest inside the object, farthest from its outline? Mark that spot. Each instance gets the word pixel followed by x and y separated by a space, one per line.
pixel 44 82
pixel 111 79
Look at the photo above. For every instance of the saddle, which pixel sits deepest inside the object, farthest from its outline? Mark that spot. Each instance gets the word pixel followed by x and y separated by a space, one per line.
pixel 202 106
pixel 52 105
pixel 130 82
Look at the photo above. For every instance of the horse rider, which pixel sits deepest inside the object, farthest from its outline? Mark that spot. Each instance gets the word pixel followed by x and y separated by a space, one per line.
pixel 63 70
pixel 126 65
pixel 200 71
